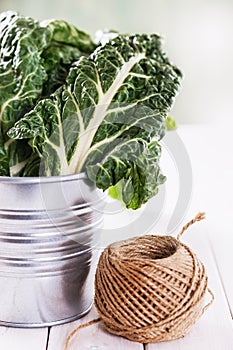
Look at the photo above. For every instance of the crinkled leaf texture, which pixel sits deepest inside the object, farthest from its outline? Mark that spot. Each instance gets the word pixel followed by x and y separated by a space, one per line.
pixel 34 61
pixel 108 118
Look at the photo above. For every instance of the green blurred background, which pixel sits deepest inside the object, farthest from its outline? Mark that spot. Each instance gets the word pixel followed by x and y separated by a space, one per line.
pixel 198 36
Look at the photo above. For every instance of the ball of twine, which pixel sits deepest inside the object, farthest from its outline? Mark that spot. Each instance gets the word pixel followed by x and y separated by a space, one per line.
pixel 150 288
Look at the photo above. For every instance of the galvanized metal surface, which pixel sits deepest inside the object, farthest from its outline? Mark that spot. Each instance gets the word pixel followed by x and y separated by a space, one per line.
pixel 49 234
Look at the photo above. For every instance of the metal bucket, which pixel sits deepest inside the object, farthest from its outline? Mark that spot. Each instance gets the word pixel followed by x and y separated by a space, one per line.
pixel 49 234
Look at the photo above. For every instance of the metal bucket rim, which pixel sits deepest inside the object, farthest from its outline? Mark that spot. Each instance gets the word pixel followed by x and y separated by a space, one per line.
pixel 43 179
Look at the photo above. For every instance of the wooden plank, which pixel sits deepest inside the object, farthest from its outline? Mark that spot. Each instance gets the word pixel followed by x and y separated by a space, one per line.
pixel 213 190
pixel 23 339
pixel 91 338
pixel 214 330
pixel 221 241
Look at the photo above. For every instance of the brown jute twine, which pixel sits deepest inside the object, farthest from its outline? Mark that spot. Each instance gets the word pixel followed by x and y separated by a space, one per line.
pixel 149 288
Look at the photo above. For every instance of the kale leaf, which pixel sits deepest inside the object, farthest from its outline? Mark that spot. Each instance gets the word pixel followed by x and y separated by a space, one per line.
pixel 34 61
pixel 108 117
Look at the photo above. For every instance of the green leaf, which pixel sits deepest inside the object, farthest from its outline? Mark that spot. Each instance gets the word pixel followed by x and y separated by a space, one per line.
pixel 4 163
pixel 170 124
pixel 34 61
pixel 108 117
pixel 116 191
pixel 144 178
pixel 67 44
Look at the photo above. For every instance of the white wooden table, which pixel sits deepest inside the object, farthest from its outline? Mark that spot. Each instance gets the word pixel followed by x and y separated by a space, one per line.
pixel 210 150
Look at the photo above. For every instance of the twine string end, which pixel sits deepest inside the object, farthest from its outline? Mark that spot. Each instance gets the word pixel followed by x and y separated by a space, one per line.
pixel 74 331
pixel 200 216
pixel 210 302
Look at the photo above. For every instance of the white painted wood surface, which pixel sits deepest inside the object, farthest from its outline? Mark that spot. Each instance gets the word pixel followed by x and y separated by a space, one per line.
pixel 220 248
pixel 210 149
pixel 23 339
pixel 91 338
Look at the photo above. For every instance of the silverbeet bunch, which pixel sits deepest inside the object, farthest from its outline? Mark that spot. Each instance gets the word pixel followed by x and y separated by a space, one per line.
pixel 69 105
